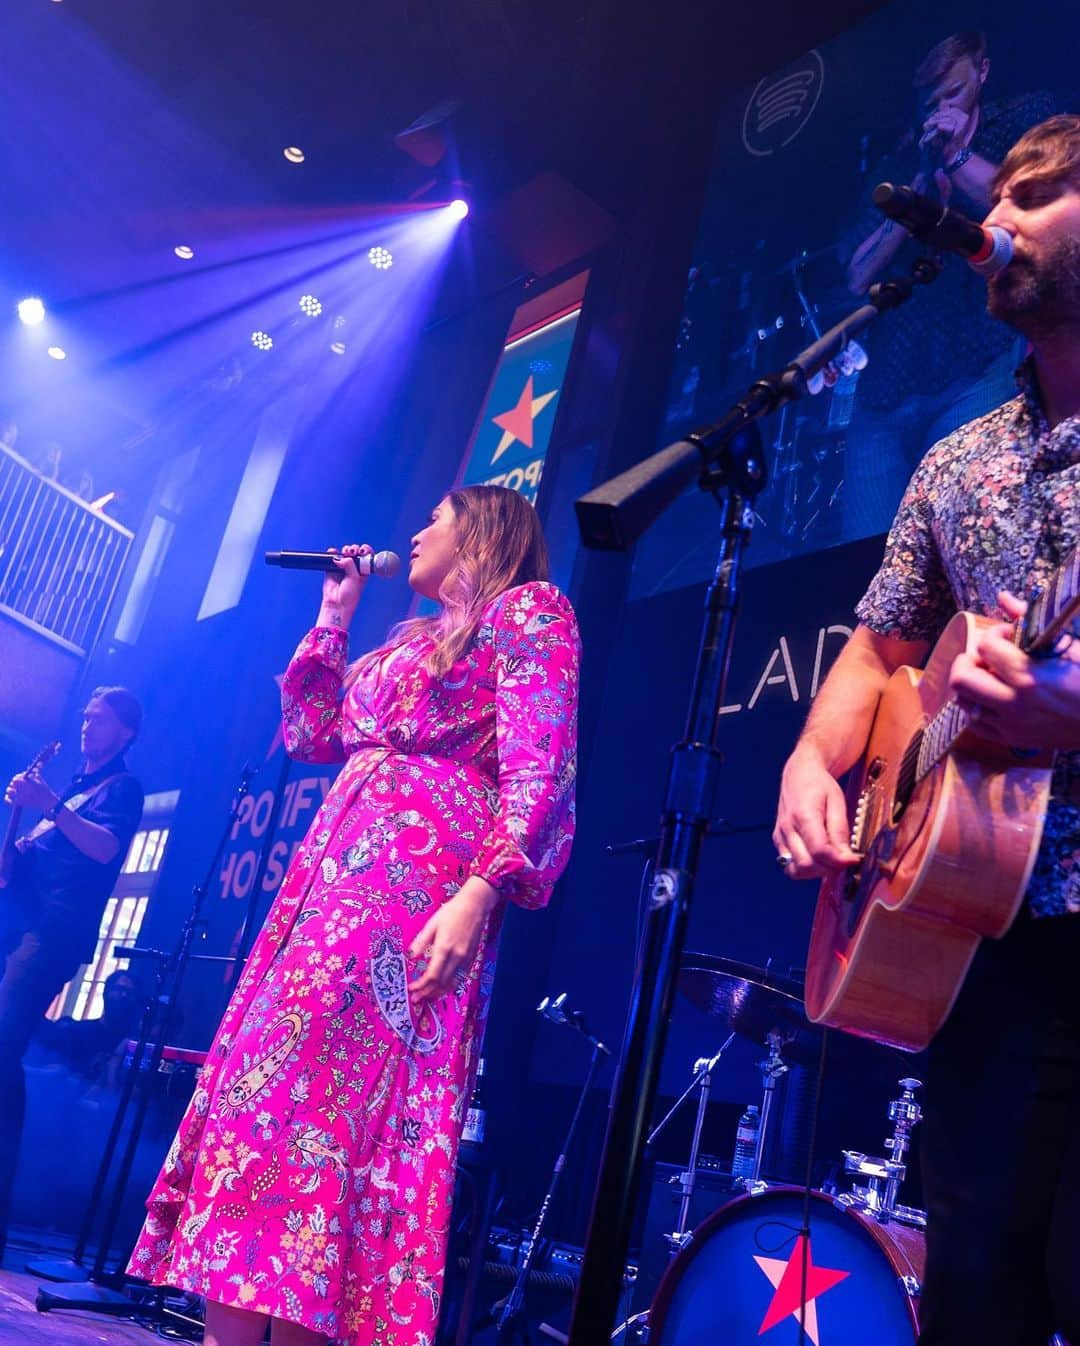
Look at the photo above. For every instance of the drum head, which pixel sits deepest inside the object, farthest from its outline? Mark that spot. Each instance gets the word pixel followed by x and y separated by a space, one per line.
pixel 739 1280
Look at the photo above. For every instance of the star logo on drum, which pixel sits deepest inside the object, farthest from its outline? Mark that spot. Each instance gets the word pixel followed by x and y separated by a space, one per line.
pixel 786 1278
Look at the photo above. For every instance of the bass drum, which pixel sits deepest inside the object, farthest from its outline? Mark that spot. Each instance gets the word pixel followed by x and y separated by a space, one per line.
pixel 738 1281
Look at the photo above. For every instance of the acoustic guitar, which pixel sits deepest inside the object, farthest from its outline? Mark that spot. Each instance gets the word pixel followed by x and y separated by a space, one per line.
pixel 947 825
pixel 9 851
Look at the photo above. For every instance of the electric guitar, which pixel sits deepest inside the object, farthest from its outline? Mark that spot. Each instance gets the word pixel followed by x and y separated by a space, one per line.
pixel 947 825
pixel 9 851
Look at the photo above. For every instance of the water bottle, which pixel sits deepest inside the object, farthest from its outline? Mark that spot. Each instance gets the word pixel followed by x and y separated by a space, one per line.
pixel 473 1131
pixel 746 1138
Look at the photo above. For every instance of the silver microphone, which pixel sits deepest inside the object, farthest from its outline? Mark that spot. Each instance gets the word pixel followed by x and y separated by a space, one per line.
pixel 383 563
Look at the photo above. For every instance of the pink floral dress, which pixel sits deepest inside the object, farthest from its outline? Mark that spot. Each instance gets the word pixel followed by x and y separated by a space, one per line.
pixel 313 1173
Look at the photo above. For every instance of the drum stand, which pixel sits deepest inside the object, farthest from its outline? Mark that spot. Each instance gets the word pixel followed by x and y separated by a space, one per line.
pixel 771 1069
pixel 100 1292
pixel 702 1080
pixel 877 1196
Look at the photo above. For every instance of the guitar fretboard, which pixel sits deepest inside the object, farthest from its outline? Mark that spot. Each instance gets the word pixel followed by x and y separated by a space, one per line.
pixel 1053 606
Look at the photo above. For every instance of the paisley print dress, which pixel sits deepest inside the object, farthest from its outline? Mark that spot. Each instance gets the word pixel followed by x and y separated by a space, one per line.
pixel 313 1173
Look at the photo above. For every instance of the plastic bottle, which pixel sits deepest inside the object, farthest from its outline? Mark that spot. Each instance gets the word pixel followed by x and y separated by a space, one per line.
pixel 473 1131
pixel 746 1138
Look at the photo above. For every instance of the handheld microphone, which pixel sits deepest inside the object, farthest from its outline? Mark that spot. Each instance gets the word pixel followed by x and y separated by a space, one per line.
pixel 384 563
pixel 988 251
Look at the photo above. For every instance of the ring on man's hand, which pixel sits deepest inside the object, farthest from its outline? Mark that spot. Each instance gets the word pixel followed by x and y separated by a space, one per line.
pixel 784 858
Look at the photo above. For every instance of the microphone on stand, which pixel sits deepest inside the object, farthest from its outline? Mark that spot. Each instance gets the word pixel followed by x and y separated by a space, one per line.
pixel 987 251
pixel 383 563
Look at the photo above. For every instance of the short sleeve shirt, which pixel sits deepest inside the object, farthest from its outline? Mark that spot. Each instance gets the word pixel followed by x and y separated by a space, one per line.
pixel 70 889
pixel 995 505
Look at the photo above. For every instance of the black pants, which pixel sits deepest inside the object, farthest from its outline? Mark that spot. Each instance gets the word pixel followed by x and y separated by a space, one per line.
pixel 1001 1147
pixel 35 969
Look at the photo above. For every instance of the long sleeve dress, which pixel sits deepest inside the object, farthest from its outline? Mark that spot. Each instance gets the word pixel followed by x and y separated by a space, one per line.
pixel 313 1172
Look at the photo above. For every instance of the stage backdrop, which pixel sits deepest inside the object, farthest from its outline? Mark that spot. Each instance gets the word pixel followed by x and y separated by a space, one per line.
pixel 786 216
pixel 787 244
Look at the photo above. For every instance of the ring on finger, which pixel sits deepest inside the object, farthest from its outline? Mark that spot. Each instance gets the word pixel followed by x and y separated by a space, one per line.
pixel 784 858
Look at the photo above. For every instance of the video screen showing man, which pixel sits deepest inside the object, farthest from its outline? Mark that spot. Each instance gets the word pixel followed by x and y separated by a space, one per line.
pixel 940 359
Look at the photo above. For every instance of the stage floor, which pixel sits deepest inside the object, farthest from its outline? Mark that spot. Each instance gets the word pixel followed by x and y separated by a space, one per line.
pixel 20 1322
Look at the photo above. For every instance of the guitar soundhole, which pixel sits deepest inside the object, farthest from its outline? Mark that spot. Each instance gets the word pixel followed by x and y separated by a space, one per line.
pixel 906 777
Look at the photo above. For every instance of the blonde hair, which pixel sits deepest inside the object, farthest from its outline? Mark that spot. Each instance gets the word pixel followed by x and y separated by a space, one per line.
pixel 499 545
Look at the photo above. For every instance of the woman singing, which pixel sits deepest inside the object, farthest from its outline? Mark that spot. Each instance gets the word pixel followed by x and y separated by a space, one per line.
pixel 312 1176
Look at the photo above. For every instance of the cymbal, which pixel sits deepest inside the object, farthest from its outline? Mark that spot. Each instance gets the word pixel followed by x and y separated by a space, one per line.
pixel 752 1000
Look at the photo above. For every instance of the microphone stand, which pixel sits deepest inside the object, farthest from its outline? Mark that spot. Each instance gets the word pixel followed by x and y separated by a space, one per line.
pixel 725 456
pixel 99 1291
pixel 511 1320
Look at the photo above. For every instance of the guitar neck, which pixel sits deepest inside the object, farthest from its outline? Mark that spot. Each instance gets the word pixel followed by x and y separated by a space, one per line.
pixel 7 850
pixel 1053 608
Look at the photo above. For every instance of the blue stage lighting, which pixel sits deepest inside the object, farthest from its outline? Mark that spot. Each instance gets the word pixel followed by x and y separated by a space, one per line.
pixel 31 311
pixel 262 341
pixel 310 305
pixel 458 209
pixel 382 259
pixel 57 353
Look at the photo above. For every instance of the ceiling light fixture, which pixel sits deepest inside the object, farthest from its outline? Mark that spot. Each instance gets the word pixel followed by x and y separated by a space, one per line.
pixel 31 311
pixel 382 259
pixel 294 154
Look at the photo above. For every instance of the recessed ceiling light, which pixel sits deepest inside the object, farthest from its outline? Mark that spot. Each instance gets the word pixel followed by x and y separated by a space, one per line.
pixel 294 154
pixel 338 347
pixel 57 352
pixel 184 252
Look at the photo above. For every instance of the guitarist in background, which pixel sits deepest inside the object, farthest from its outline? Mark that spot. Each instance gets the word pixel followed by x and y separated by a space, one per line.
pixel 990 512
pixel 62 876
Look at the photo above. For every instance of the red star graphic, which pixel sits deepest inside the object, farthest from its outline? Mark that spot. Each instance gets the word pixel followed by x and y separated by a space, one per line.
pixel 517 423
pixel 787 1280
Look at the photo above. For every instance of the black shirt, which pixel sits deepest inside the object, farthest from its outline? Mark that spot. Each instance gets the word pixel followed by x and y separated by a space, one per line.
pixel 63 892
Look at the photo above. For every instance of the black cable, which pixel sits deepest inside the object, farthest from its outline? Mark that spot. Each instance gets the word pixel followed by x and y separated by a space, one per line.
pixel 804 1232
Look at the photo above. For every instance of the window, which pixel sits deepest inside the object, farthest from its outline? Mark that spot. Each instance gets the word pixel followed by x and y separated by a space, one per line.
pixel 123 916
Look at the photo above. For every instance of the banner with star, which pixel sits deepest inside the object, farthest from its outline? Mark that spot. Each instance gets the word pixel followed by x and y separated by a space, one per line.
pixel 515 425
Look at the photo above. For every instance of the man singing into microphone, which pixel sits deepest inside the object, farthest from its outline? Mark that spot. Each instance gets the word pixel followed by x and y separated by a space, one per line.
pixel 935 364
pixel 992 510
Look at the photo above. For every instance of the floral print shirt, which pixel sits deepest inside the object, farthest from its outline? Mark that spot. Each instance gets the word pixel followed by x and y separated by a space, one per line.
pixel 995 505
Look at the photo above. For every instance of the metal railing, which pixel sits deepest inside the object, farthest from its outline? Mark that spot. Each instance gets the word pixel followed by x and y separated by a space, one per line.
pixel 60 560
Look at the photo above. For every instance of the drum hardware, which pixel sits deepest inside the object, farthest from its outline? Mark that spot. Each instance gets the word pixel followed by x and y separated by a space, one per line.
pixel 771 1069
pixel 731 1283
pixel 878 1195
pixel 754 1002
pixel 702 1081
